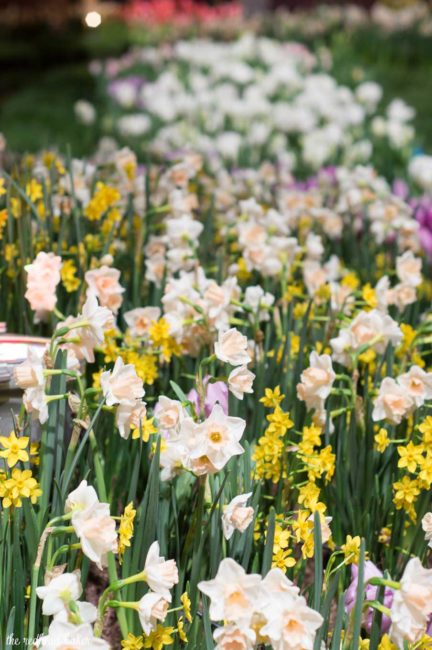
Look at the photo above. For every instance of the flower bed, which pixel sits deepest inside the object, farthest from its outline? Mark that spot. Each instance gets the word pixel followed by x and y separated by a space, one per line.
pixel 215 362
pixel 237 380
pixel 249 100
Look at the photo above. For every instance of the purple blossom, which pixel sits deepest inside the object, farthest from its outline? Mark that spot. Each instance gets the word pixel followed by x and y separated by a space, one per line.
pixel 423 213
pixel 216 393
pixel 370 571
pixel 400 189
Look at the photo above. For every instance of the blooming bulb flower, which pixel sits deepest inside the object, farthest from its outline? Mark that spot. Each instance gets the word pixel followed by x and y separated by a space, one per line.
pixel 292 624
pixel 416 587
pixel 96 531
pixel 368 328
pixel 104 282
pixel 234 637
pixel 35 403
pixel 151 608
pixel 316 381
pixel 215 393
pixel 83 498
pixel 412 604
pixel 122 384
pixel 231 347
pixel 87 613
pixel 59 592
pixel 240 381
pixel 233 593
pixel 277 584
pixel 405 626
pixel 130 415
pixel 29 373
pixel 393 402
pixel 370 571
pixel 169 414
pixel 96 320
pixel 236 516
pixel 43 276
pixel 427 527
pixel 160 574
pixel 63 635
pixel 140 319
pixel 92 522
pixel 408 269
pixel 418 384
pixel 215 440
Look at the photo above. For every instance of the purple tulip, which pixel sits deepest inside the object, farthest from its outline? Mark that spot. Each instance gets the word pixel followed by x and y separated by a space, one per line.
pixel 422 207
pixel 400 189
pixel 370 571
pixel 216 393
pixel 425 236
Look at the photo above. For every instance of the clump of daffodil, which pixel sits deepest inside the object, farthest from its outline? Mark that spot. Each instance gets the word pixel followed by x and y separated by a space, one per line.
pixel 126 530
pixel 159 638
pixel 406 492
pixel 21 484
pixel 382 440
pixel 69 276
pixel 145 430
pixel 14 449
pixel 317 462
pixel 270 448
pixel 133 642
pixel 159 333
pixel 282 554
pixel 104 198
pixel 185 601
pixel 146 365
pixel 34 190
pixel 351 549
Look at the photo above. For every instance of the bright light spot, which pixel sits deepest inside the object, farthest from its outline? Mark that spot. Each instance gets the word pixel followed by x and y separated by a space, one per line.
pixel 93 19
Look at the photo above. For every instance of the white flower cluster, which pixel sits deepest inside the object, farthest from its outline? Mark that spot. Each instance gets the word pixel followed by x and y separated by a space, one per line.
pixel 255 610
pixel 254 95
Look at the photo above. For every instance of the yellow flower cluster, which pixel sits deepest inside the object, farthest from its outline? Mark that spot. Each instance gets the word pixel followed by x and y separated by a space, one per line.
pixel 318 463
pixel 146 365
pixel 103 199
pixel 145 355
pixel 14 449
pixel 3 221
pixel 161 338
pixel 268 453
pixel 19 485
pixel 68 275
pixel 156 640
pixel 161 636
pixel 282 555
pixel 417 460
pixel 126 530
pixel 145 430
pixel 351 549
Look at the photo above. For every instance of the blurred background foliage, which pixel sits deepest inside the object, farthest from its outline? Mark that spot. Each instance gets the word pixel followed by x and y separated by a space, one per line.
pixel 45 66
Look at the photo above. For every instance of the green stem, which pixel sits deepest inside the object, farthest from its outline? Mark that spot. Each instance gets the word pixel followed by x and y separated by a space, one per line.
pixel 62 549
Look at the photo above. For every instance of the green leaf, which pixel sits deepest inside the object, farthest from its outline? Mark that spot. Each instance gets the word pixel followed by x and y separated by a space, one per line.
pixel 358 608
pixel 338 624
pixel 268 548
pixel 10 630
pixel 318 572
